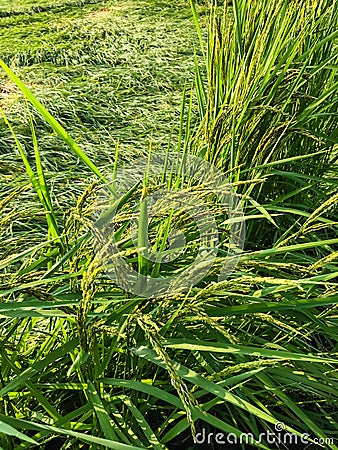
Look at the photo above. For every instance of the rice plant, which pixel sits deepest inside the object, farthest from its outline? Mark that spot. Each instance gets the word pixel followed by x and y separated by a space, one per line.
pixel 86 364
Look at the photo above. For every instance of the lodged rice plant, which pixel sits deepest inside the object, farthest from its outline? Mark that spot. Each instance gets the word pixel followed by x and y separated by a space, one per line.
pixel 87 362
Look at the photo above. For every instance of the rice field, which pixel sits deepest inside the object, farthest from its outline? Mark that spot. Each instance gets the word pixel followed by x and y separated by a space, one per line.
pixel 168 220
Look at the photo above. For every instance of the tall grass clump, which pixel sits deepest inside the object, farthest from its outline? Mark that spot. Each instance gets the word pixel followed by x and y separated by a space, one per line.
pixel 268 90
pixel 267 97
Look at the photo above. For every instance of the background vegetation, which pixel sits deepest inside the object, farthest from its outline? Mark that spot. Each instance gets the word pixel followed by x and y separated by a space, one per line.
pixel 86 365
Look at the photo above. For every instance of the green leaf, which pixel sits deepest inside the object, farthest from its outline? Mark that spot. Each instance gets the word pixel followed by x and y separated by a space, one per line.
pixel 10 431
pixel 52 121
pixel 259 352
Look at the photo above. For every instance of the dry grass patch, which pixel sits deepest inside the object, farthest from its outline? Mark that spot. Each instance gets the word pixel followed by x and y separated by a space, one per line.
pixel 8 93
pixel 101 13
pixel 106 12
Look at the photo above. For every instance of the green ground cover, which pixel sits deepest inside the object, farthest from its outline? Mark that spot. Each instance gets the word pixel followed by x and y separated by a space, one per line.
pixel 109 71
pixel 110 66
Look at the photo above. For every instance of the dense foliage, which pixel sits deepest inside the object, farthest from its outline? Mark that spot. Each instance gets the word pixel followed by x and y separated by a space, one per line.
pixel 85 364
